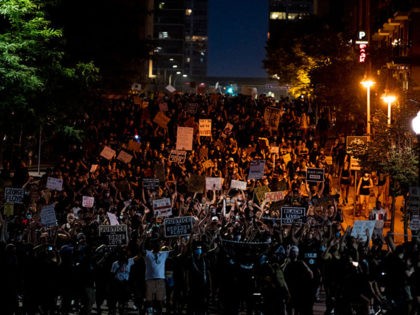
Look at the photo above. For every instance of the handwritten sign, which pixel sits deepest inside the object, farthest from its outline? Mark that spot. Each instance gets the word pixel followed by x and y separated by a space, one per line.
pixel 214 183
pixel 107 153
pixel 292 214
pixel 178 156
pixel 238 184
pixel 315 174
pixel 256 169
pixel 260 192
pixel 14 195
pixel 180 226
pixel 360 227
pixel 204 127
pixel 150 183
pixel 184 138
pixel 88 201
pixel 113 235
pixel 161 120
pixel 93 168
pixel 162 207
pixel 208 163
pixel 113 220
pixel 124 157
pixel 272 117
pixel 274 196
pixel 48 217
pixel 54 183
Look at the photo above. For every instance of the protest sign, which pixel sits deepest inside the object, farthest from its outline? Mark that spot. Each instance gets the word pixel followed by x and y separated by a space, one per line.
pixel 134 146
pixel 170 88
pixel 54 183
pixel 124 157
pixel 14 195
pixel 93 168
pixel 328 160
pixel 136 86
pixel 272 117
pixel 9 209
pixel 113 235
pixel 214 183
pixel 48 217
pixel 161 120
pixel 178 156
pixel 237 184
pixel 204 127
pixel 360 227
pixel 107 153
pixel 208 163
pixel 274 150
pixel 256 169
pixel 196 183
pixel 292 214
pixel 162 207
pixel 356 144
pixel 287 158
pixel 88 201
pixel 315 174
pixel 354 164
pixel 274 196
pixel 184 138
pixel 179 226
pixel 260 192
pixel 150 183
pixel 113 220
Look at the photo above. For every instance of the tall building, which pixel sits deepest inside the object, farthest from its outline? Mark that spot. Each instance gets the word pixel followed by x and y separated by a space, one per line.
pixel 180 40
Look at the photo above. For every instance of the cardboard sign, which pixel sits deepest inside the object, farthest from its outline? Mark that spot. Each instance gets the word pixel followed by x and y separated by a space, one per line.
pixel 292 214
pixel 108 153
pixel 113 235
pixel 184 138
pixel 180 226
pixel 134 146
pixel 150 183
pixel 88 201
pixel 274 150
pixel 328 160
pixel 93 168
pixel 48 217
pixel 161 120
pixel 170 88
pixel 256 169
pixel 14 195
pixel 162 207
pixel 124 157
pixel 287 158
pixel 208 163
pixel 113 220
pixel 260 192
pixel 272 117
pixel 214 183
pixel 54 183
pixel 274 196
pixel 315 174
pixel 178 156
pixel 204 127
pixel 359 229
pixel 237 184
pixel 196 183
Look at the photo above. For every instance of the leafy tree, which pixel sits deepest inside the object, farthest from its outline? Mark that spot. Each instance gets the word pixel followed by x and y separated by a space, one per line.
pixel 38 86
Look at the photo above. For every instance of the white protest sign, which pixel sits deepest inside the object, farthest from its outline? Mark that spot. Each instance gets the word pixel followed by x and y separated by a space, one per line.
pixel 14 195
pixel 48 217
pixel 162 207
pixel 93 168
pixel 170 88
pixel 204 127
pixel 184 138
pixel 214 183
pixel 360 227
pixel 107 153
pixel 256 169
pixel 238 184
pixel 88 201
pixel 124 157
pixel 113 220
pixel 54 183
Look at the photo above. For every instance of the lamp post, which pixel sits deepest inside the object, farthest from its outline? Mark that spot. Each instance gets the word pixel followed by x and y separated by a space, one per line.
pixel 367 84
pixel 415 124
pixel 389 99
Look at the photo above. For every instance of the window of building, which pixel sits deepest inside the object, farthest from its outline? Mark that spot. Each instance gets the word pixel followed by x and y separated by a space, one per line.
pixel 188 12
pixel 161 5
pixel 278 15
pixel 163 35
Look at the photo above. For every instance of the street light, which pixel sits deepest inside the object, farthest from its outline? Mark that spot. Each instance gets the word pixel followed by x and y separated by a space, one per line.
pixel 415 124
pixel 389 99
pixel 367 84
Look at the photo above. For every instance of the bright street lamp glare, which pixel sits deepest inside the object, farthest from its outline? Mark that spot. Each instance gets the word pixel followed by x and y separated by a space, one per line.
pixel 389 99
pixel 367 84
pixel 415 124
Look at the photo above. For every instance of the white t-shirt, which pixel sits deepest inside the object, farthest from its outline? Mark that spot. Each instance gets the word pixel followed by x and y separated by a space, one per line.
pixel 155 264
pixel 122 272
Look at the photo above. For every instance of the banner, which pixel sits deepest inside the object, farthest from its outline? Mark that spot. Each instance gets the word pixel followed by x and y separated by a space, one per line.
pixel 162 207
pixel 48 217
pixel 237 184
pixel 256 169
pixel 292 214
pixel 274 196
pixel 315 174
pixel 124 157
pixel 180 226
pixel 108 153
pixel 184 138
pixel 214 183
pixel 54 183
pixel 88 201
pixel 161 120
pixel 196 183
pixel 360 227
pixel 272 117
pixel 204 127
pixel 113 235
pixel 14 195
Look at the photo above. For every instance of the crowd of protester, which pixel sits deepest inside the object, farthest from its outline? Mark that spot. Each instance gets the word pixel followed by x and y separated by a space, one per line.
pixel 239 255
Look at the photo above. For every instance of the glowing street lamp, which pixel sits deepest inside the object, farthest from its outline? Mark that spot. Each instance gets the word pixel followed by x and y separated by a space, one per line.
pixel 415 124
pixel 389 99
pixel 367 84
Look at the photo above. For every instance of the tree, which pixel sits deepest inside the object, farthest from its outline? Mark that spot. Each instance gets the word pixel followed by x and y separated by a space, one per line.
pixel 38 86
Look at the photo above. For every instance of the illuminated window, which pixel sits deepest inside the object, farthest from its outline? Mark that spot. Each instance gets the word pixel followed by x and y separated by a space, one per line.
pixel 278 16
pixel 188 12
pixel 162 5
pixel 163 35
pixel 188 59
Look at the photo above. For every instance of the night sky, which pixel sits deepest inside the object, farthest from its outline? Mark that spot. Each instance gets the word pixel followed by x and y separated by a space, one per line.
pixel 237 37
